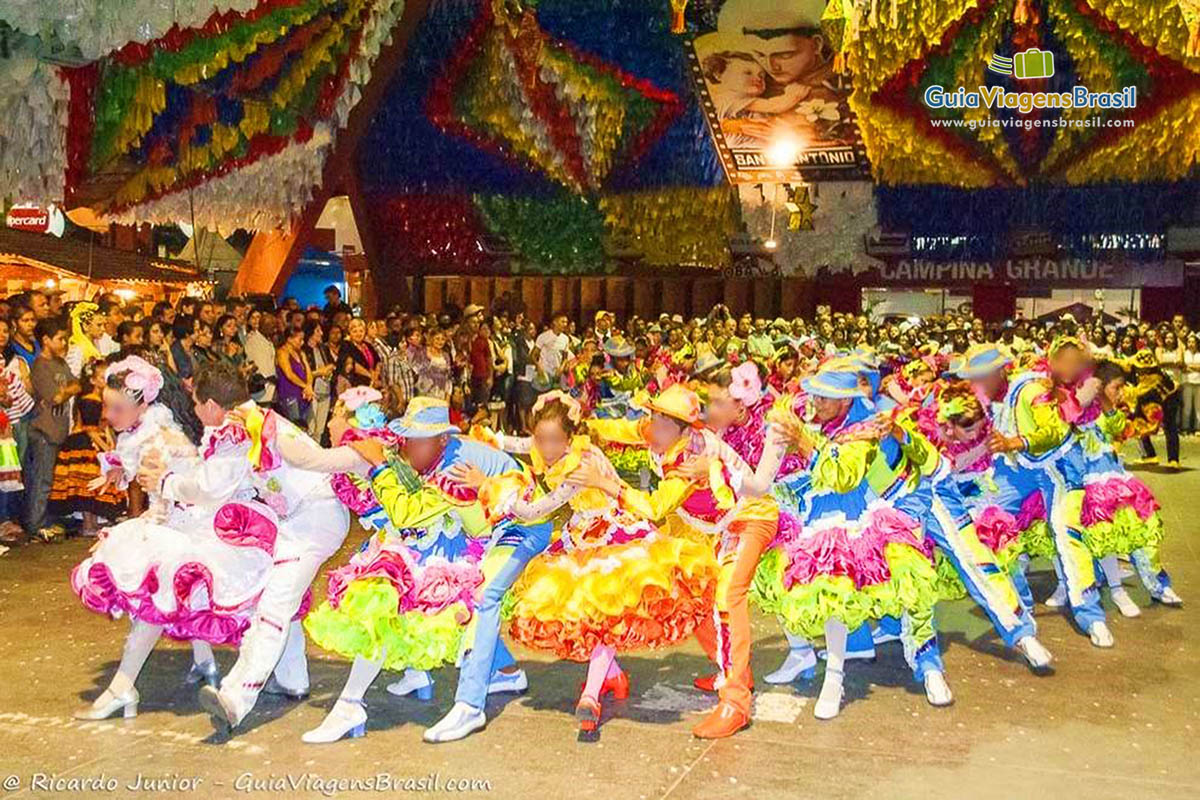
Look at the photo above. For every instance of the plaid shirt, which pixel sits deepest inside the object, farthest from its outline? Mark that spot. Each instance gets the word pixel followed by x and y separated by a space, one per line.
pixel 398 372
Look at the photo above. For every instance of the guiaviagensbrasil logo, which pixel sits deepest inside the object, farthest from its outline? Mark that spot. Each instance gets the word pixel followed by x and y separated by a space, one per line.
pixel 1026 65
pixel 1031 64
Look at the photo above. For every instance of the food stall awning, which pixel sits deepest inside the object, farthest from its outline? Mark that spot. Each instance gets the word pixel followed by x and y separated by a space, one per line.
pixel 30 256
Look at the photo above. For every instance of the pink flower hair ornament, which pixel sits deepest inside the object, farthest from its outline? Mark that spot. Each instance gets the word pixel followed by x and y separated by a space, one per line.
pixel 140 377
pixel 574 410
pixel 746 384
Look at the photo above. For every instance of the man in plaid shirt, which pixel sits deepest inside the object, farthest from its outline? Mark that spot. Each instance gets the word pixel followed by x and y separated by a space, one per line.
pixel 398 374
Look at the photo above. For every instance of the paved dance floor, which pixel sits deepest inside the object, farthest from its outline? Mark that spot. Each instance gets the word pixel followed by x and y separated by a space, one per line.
pixel 1106 724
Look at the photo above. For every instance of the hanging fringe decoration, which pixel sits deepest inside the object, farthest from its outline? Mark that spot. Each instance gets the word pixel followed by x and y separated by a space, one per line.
pixel 1191 17
pixel 895 15
pixel 835 26
pixel 1022 13
pixel 677 23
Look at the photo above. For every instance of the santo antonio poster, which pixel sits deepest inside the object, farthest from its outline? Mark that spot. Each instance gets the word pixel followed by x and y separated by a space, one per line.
pixel 764 73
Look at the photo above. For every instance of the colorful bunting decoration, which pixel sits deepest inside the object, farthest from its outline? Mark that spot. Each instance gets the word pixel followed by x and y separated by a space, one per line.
pixel 201 103
pixel 1105 45
pixel 518 92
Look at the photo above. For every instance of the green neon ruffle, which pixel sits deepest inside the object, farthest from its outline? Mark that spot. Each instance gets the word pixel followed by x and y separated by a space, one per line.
pixel 1037 540
pixel 949 585
pixel 367 622
pixel 1124 534
pixel 804 609
pixel 628 462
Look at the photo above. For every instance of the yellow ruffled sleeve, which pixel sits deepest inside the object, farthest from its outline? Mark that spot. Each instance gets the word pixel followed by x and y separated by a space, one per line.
pixel 842 467
pixel 617 431
pixel 654 506
pixel 1038 420
pixel 500 492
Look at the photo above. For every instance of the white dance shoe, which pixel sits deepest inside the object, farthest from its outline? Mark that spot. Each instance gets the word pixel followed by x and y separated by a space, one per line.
pixel 415 681
pixel 1059 598
pixel 1124 602
pixel 108 704
pixel 508 682
pixel 829 702
pixel 854 655
pixel 347 719
pixel 879 636
pixel 276 689
pixel 461 721
pixel 799 663
pixel 937 691
pixel 224 714
pixel 1035 652
pixel 1100 635
pixel 207 673
pixel 1168 597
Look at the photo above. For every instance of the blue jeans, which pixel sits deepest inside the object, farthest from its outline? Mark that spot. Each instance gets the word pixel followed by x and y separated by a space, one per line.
pixel 487 653
pixel 924 657
pixel 39 476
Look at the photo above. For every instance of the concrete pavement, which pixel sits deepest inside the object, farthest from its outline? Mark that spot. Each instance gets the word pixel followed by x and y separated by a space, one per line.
pixel 1106 724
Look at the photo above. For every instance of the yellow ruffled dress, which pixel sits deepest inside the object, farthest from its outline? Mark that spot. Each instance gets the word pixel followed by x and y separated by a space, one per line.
pixel 608 578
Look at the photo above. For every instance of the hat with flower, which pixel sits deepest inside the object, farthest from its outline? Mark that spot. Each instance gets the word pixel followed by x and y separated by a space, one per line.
pixel 574 410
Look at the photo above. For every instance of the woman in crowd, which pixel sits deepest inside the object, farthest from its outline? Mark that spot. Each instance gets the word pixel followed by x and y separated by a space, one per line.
pixel 322 366
pixel 358 361
pixel 294 392
pixel 434 367
pixel 1190 413
pixel 202 351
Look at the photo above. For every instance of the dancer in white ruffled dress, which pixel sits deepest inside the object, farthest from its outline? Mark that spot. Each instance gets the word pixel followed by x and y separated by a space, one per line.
pixel 191 572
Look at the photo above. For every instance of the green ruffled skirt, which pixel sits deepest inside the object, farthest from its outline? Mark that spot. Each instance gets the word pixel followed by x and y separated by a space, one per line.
pixel 367 622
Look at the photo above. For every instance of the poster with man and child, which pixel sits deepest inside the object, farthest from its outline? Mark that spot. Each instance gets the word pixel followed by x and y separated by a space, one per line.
pixel 776 108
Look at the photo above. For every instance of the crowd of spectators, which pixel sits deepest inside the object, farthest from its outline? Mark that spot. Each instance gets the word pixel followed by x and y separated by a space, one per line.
pixel 488 364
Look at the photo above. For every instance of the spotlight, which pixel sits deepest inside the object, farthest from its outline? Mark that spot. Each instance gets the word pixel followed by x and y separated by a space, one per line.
pixel 784 152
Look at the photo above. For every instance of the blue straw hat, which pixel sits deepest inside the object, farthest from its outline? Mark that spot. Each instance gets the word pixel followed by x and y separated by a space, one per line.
pixel 425 418
pixel 838 378
pixel 980 361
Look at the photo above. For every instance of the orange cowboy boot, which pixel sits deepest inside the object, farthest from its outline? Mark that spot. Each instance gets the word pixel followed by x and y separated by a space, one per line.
pixel 724 721
pixel 709 683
